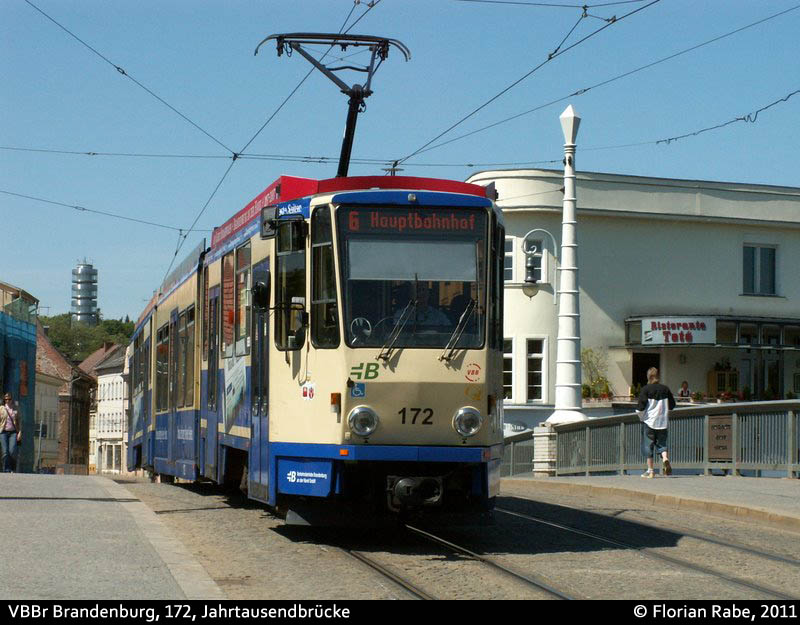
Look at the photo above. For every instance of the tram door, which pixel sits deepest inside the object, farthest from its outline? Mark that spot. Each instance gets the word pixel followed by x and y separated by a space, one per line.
pixel 258 466
pixel 211 399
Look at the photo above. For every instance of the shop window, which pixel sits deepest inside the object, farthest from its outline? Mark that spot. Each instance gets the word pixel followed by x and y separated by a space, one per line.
pixel 633 333
pixel 748 334
pixel 770 335
pixel 758 270
pixel 791 336
pixel 726 332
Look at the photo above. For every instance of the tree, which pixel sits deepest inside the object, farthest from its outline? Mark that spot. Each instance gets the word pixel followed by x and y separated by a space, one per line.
pixel 77 340
pixel 595 371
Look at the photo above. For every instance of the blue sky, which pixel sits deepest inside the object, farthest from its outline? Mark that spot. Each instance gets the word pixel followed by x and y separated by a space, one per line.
pixel 58 95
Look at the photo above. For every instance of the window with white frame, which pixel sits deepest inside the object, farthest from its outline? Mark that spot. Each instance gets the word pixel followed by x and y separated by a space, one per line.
pixel 508 260
pixel 758 269
pixel 535 369
pixel 508 369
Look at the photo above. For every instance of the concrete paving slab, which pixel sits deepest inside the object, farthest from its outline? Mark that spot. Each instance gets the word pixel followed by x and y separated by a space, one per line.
pixel 86 537
pixel 774 501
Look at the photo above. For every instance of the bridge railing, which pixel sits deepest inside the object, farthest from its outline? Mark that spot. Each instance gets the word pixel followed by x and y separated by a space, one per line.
pixel 756 436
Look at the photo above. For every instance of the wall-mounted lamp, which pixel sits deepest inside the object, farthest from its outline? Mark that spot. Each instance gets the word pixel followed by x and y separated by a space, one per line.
pixel 682 359
pixel 531 286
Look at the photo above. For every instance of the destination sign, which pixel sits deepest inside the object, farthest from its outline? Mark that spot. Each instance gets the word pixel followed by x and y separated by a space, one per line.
pixel 415 221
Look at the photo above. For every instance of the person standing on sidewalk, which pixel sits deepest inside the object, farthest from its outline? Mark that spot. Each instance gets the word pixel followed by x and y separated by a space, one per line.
pixel 10 433
pixel 655 402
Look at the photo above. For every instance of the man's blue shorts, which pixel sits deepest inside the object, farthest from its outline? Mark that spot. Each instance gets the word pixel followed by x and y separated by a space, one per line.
pixel 653 440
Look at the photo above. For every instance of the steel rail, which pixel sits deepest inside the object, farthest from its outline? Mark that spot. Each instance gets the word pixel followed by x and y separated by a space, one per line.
pixel 650 553
pixel 386 572
pixel 488 561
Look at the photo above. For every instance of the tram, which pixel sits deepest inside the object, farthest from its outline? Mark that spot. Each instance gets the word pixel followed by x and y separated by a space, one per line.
pixel 336 348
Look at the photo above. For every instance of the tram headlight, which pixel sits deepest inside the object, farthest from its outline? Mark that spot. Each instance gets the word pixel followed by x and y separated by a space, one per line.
pixel 467 421
pixel 363 421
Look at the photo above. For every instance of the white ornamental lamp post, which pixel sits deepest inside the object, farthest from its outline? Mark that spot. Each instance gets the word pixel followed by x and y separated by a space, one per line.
pixel 568 352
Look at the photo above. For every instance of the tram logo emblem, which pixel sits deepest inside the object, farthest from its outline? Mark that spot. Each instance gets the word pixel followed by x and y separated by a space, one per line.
pixel 365 371
pixel 473 372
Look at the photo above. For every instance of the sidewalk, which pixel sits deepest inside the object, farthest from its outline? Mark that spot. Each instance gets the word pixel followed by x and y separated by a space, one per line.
pixel 773 501
pixel 79 537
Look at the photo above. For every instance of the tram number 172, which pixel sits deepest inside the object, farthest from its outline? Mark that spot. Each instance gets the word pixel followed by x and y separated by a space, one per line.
pixel 414 413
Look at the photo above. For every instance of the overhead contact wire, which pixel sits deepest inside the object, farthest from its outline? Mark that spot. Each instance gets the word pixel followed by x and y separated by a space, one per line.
pixel 584 90
pixel 78 207
pixel 550 57
pixel 127 75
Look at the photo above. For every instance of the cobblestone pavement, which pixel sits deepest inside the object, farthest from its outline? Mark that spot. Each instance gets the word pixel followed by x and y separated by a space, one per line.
pixel 251 555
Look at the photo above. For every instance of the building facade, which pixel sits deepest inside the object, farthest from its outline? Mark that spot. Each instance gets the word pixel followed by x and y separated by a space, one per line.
pixel 18 310
pixel 53 373
pixel 697 278
pixel 108 439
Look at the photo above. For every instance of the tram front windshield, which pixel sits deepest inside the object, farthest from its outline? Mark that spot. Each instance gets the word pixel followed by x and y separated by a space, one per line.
pixel 413 276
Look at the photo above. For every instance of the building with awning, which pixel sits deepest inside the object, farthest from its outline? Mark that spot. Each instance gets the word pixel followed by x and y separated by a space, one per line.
pixel 698 278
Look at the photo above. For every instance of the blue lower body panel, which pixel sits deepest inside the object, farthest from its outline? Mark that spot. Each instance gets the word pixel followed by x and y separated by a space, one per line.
pixel 359 472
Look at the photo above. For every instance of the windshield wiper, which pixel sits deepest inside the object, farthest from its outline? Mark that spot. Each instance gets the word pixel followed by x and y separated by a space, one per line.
pixel 388 346
pixel 450 349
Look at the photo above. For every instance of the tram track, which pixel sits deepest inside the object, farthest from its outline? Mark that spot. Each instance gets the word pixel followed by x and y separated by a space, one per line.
pixel 390 574
pixel 527 579
pixel 655 555
pixel 692 533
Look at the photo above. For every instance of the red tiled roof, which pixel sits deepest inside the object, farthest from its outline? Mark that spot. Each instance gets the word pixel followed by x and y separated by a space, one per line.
pixel 99 355
pixel 50 361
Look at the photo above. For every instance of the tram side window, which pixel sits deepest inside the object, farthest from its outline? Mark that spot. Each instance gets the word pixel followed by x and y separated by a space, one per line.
pixel 496 300
pixel 146 365
pixel 228 302
pixel 213 321
pixel 136 378
pixel 181 355
pixel 324 314
pixel 188 360
pixel 242 326
pixel 162 368
pixel 291 286
pixel 205 313
pixel 173 361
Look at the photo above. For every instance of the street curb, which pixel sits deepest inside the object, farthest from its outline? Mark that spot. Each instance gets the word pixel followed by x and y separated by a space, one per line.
pixel 187 572
pixel 780 521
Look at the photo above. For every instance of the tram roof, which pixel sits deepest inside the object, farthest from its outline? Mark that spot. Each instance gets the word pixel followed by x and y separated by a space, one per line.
pixel 288 188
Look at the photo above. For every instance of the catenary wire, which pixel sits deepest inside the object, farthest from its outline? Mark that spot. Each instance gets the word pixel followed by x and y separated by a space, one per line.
pixel 127 75
pixel 550 57
pixel 98 212
pixel 748 117
pixel 584 90
pixel 552 5
pixel 236 155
